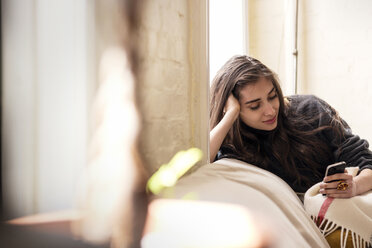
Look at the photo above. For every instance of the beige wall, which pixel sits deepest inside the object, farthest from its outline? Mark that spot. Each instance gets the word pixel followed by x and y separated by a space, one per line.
pixel 335 52
pixel 266 29
pixel 173 88
pixel 334 59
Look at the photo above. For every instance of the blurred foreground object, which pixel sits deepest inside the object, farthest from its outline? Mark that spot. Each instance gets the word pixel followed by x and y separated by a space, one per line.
pixel 182 223
pixel 43 230
pixel 113 201
pixel 111 174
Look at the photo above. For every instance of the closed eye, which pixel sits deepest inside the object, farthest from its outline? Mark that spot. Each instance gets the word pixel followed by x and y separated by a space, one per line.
pixel 255 107
pixel 273 97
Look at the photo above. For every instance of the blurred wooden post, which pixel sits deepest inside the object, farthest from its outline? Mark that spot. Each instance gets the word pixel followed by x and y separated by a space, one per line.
pixel 113 201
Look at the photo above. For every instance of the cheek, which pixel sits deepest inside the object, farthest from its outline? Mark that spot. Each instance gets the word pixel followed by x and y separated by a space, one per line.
pixel 277 104
pixel 250 117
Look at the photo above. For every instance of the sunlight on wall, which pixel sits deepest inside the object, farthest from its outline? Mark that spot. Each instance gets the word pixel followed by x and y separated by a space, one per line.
pixel 225 31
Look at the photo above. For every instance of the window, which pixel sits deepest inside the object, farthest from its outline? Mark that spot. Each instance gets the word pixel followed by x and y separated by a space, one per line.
pixel 226 32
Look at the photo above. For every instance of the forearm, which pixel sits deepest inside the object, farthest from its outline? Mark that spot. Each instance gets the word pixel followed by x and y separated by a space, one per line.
pixel 219 132
pixel 363 181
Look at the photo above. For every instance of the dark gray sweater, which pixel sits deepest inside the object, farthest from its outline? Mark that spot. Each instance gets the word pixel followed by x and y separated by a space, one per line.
pixel 351 149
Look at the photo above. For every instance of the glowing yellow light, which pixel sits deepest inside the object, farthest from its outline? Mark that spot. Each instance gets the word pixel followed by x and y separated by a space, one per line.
pixel 168 174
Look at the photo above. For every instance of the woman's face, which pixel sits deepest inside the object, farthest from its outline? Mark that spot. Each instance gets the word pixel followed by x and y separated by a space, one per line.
pixel 259 105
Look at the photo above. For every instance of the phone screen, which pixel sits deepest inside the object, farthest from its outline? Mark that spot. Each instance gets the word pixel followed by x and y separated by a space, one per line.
pixel 335 168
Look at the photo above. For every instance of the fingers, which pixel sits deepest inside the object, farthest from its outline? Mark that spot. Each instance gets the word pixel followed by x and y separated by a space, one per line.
pixel 232 104
pixel 340 195
pixel 344 188
pixel 331 185
pixel 334 185
pixel 337 193
pixel 338 177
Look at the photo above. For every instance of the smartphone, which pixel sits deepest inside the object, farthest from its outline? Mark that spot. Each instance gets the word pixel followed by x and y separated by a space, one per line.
pixel 335 168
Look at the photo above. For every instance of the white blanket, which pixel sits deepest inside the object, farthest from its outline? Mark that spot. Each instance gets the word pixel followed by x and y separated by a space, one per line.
pixel 261 192
pixel 353 215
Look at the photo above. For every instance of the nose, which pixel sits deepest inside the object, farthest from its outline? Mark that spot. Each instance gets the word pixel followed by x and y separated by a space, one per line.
pixel 269 109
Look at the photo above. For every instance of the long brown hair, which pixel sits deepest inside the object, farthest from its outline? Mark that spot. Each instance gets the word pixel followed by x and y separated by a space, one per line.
pixel 288 144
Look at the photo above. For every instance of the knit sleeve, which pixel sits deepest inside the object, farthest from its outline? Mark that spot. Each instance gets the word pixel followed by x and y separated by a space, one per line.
pixel 345 145
pixel 354 151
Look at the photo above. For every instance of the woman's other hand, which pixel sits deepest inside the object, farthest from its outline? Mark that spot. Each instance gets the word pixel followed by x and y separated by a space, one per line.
pixel 341 185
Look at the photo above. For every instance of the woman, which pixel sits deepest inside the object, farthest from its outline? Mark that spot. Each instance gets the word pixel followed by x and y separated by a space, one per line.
pixel 295 138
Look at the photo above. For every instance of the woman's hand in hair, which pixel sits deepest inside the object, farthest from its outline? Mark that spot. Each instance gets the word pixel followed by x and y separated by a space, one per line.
pixel 219 132
pixel 232 106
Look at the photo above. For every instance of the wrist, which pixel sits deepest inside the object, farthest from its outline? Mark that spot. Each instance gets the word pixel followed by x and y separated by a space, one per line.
pixel 232 113
pixel 363 181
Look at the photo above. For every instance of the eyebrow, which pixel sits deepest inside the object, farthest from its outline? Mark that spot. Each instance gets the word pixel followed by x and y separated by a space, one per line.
pixel 259 99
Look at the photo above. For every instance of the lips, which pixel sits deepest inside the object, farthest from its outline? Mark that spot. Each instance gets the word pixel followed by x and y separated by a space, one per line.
pixel 271 121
